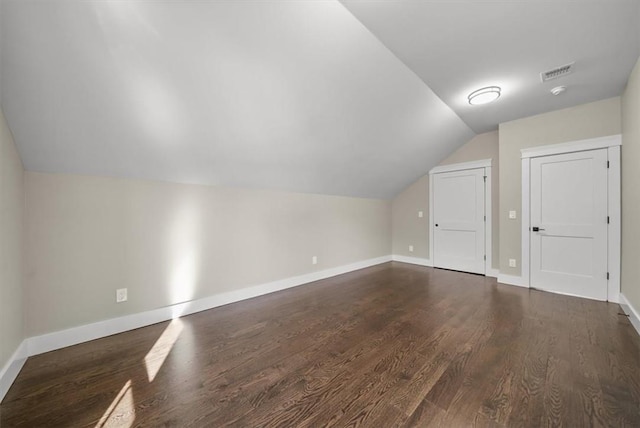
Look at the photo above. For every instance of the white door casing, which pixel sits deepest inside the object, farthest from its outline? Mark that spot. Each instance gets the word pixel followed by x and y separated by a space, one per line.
pixel 458 200
pixel 569 207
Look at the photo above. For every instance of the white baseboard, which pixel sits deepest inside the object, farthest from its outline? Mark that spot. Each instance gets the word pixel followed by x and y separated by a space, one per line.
pixel 512 280
pixel 413 260
pixel 73 336
pixel 634 315
pixel 492 273
pixel 10 371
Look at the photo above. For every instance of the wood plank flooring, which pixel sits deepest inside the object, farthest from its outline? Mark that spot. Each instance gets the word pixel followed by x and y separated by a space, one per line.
pixel 393 345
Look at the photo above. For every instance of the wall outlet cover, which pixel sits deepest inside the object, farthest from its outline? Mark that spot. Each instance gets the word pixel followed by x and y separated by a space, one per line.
pixel 121 295
pixel 411 248
pixel 314 260
pixel 512 262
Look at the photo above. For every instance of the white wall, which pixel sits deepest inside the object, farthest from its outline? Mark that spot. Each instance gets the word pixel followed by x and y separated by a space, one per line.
pixel 630 281
pixel 170 243
pixel 597 119
pixel 11 255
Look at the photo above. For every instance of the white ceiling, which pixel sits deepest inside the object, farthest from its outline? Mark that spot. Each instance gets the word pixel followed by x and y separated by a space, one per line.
pixel 289 95
pixel 458 46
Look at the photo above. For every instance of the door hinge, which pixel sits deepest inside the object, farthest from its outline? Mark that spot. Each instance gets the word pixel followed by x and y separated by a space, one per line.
pixel 607 164
pixel 484 178
pixel 485 218
pixel 608 220
pixel 607 275
pixel 485 258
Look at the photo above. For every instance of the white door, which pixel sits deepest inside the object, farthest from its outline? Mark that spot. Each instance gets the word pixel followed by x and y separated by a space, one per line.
pixel 459 220
pixel 569 223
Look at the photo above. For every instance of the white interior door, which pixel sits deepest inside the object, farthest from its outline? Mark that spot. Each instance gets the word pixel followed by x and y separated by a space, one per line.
pixel 459 220
pixel 569 223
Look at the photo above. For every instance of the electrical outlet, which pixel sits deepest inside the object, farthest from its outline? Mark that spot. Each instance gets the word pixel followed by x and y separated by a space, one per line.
pixel 121 295
pixel 512 262
pixel 314 260
pixel 512 214
pixel 411 248
pixel 420 214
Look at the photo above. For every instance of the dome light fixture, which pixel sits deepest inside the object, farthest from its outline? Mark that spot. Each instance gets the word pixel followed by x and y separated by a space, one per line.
pixel 484 95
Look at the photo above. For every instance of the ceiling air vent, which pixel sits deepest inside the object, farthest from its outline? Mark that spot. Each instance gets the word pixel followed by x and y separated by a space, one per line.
pixel 556 72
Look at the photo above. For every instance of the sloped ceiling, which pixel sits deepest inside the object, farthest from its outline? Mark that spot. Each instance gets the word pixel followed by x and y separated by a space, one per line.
pixel 459 46
pixel 289 95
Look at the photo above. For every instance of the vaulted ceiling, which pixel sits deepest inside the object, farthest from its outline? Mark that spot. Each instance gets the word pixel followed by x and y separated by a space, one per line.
pixel 288 95
pixel 295 95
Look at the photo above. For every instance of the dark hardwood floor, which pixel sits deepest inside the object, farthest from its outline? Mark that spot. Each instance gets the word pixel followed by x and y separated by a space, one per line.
pixel 392 345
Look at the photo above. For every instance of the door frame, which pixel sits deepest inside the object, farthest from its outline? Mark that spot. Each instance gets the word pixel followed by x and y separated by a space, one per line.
pixel 488 247
pixel 612 143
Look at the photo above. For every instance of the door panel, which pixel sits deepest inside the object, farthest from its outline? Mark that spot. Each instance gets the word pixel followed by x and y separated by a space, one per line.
pixel 569 206
pixel 458 241
pixel 566 254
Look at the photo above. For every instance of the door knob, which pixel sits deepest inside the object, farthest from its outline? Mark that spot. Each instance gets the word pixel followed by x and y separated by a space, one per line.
pixel 536 229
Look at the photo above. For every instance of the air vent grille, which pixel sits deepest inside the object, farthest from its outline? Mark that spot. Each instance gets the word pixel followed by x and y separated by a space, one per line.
pixel 556 72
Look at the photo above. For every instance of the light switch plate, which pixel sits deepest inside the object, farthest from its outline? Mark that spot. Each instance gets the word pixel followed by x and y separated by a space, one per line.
pixel 420 214
pixel 512 215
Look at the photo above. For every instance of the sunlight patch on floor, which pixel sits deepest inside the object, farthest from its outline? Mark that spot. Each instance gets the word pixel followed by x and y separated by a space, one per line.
pixel 158 354
pixel 121 412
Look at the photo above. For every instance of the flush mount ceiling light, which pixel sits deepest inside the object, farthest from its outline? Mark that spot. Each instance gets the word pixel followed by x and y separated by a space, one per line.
pixel 484 95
